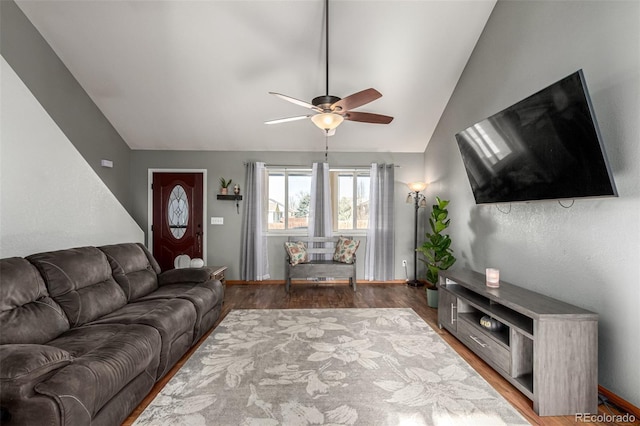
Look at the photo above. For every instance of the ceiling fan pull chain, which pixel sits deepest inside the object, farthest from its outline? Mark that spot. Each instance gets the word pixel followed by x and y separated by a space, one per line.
pixel 326 146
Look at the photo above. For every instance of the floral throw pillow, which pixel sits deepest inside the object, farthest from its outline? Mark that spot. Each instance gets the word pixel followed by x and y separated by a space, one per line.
pixel 346 250
pixel 297 252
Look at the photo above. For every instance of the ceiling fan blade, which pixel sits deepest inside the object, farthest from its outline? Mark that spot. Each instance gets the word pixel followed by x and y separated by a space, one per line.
pixel 356 100
pixel 287 119
pixel 367 117
pixel 296 101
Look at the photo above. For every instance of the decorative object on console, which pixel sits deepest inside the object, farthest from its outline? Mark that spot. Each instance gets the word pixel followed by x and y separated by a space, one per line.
pixel 437 248
pixel 224 186
pixel 184 261
pixel 196 262
pixel 236 189
pixel 490 324
pixel 493 277
pixel 418 200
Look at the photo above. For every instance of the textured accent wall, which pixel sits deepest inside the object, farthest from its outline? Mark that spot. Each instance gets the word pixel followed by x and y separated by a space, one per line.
pixel 587 255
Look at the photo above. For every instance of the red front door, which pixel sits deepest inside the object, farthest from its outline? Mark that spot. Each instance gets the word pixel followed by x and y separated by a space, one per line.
pixel 177 217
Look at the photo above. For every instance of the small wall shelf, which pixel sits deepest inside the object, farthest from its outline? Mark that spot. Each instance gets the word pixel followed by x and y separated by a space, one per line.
pixel 230 197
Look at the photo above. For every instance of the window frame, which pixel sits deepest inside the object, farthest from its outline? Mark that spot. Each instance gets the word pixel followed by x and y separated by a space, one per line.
pixel 286 171
pixel 355 173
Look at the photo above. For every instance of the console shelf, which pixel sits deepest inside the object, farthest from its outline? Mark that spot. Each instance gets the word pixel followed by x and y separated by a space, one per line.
pixel 546 348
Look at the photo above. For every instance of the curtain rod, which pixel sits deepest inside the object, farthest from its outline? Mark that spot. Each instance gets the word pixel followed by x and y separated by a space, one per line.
pixel 291 166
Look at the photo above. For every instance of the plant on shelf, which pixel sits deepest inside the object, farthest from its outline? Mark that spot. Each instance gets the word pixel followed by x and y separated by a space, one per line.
pixel 224 185
pixel 437 248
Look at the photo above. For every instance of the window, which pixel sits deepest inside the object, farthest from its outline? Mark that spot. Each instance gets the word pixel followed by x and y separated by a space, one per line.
pixel 350 199
pixel 289 198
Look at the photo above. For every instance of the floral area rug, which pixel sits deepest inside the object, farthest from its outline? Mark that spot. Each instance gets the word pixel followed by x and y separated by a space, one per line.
pixel 327 367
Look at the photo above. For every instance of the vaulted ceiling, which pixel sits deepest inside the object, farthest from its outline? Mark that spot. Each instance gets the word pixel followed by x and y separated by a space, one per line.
pixel 195 75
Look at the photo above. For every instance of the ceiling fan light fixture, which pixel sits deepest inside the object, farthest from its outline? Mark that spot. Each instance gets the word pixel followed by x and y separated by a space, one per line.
pixel 327 120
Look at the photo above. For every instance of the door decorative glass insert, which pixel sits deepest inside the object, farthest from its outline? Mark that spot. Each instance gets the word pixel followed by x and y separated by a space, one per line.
pixel 178 211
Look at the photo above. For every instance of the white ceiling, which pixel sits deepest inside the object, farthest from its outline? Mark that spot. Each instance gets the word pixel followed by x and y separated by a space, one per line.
pixel 195 75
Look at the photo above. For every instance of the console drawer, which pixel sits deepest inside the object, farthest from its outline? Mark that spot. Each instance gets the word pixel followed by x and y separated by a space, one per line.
pixel 487 348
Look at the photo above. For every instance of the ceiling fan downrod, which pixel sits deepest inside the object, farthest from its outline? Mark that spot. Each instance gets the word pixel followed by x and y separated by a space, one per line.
pixel 327 100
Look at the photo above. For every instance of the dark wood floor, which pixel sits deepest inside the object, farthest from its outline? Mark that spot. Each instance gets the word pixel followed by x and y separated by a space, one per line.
pixel 302 296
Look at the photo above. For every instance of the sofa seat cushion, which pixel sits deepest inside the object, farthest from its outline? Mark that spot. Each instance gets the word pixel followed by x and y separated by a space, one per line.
pixel 106 358
pixel 27 313
pixel 81 282
pixel 174 319
pixel 205 297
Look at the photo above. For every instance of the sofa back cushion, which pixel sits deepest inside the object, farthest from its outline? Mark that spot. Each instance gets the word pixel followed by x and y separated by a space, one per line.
pixel 27 313
pixel 80 280
pixel 134 268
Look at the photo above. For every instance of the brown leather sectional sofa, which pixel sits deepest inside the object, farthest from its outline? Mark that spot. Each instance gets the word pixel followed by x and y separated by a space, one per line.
pixel 85 333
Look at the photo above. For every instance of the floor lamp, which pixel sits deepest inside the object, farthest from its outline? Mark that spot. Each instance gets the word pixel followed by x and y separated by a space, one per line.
pixel 418 200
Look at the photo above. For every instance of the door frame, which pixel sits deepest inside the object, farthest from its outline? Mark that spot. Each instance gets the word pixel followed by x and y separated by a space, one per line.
pixel 204 206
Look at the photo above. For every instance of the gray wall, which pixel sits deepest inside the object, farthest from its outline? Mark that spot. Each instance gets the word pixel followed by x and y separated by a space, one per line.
pixel 50 198
pixel 223 241
pixel 589 254
pixel 64 100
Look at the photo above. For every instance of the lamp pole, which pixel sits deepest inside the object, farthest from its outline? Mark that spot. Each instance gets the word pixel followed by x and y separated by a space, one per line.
pixel 418 200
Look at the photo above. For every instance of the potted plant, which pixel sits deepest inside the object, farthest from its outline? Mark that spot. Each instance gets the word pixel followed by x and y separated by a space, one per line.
pixel 224 186
pixel 437 249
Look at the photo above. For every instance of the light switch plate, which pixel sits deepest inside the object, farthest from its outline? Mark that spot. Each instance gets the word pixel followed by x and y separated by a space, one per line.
pixel 217 220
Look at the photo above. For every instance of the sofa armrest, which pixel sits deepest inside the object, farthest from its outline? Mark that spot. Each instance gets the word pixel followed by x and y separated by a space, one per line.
pixel 26 362
pixel 185 275
pixel 22 368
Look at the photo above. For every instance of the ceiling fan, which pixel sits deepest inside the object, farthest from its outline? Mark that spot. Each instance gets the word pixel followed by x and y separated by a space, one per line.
pixel 329 110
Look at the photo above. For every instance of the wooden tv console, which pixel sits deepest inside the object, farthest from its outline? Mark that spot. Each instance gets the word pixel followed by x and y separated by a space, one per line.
pixel 546 348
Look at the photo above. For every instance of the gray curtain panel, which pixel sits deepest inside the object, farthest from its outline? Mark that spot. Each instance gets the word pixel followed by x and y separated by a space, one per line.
pixel 254 257
pixel 379 254
pixel 320 217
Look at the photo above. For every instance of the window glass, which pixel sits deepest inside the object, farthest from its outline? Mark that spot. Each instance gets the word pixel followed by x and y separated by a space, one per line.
pixel 276 204
pixel 345 201
pixel 178 211
pixel 299 197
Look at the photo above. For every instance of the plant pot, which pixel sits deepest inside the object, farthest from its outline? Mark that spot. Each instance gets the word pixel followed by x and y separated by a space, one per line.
pixel 223 191
pixel 432 297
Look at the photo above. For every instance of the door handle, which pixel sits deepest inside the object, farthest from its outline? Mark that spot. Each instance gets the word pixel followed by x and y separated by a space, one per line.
pixel 199 243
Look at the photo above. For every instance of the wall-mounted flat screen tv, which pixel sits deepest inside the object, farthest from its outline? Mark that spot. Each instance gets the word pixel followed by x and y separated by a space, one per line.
pixel 547 146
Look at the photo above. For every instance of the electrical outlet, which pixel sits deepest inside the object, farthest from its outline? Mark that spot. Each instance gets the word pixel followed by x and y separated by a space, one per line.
pixel 404 263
